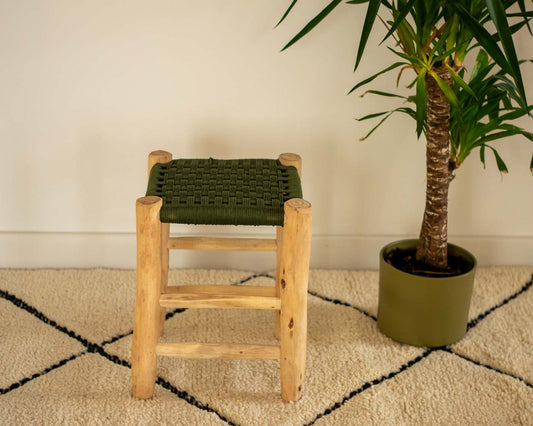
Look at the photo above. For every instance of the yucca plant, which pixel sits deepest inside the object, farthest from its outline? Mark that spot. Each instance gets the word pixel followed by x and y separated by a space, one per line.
pixel 488 106
pixel 456 114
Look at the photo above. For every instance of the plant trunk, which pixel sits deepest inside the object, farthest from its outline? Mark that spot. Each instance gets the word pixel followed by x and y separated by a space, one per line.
pixel 432 246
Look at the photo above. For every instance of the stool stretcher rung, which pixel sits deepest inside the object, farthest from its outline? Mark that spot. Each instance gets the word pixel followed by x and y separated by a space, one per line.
pixel 220 296
pixel 232 244
pixel 218 351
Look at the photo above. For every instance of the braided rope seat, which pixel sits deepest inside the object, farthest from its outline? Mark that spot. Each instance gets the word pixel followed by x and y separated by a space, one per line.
pixel 224 192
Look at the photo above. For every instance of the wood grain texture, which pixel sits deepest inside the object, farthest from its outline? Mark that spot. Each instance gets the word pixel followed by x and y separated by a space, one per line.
pixel 165 231
pixel 287 159
pixel 277 314
pixel 290 159
pixel 231 244
pixel 153 158
pixel 293 283
pixel 158 157
pixel 220 296
pixel 218 351
pixel 244 290
pixel 147 310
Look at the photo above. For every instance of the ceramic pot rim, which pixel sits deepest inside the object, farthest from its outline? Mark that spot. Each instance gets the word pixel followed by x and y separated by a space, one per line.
pixel 412 242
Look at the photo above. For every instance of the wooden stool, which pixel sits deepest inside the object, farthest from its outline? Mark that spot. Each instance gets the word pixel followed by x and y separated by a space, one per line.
pixel 238 192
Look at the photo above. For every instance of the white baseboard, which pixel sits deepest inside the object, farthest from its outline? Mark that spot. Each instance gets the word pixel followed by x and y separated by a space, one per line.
pixel 87 250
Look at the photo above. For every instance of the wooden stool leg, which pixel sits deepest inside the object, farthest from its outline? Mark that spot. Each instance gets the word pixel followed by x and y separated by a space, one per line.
pixel 287 159
pixel 158 157
pixel 147 309
pixel 290 159
pixel 153 158
pixel 165 231
pixel 294 275
pixel 279 245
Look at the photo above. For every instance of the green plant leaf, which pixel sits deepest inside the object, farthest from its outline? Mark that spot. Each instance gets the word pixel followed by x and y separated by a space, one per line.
pixel 369 116
pixel 420 17
pixel 412 84
pixel 407 37
pixel 459 81
pixel 482 36
pixel 399 19
pixel 497 12
pixel 376 126
pixel 482 74
pixel 371 78
pixel 482 155
pixel 517 131
pixel 371 13
pixel 454 23
pixel 496 136
pixel 442 56
pixel 513 115
pixel 523 11
pixel 439 47
pixel 447 90
pixel 482 62
pixel 313 23
pixel 380 93
pixel 403 110
pixel 508 87
pixel 526 14
pixel 514 28
pixel 286 13
pixel 410 58
pixel 409 111
pixel 499 162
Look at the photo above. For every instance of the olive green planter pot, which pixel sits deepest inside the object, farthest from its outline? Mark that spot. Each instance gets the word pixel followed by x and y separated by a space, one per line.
pixel 423 311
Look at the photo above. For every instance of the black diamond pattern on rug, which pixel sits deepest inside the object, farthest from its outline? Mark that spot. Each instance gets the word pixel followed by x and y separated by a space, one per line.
pixel 80 333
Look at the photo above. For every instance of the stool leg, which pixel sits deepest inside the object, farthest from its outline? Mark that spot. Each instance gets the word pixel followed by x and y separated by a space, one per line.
pixel 290 159
pixel 153 158
pixel 279 244
pixel 158 157
pixel 165 231
pixel 147 309
pixel 293 286
pixel 287 159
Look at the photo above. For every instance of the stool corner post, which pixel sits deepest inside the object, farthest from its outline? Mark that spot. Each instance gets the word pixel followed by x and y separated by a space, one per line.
pixel 296 248
pixel 291 159
pixel 279 256
pixel 147 309
pixel 158 157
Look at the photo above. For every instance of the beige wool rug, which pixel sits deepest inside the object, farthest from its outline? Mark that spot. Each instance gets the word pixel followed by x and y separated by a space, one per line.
pixel 65 338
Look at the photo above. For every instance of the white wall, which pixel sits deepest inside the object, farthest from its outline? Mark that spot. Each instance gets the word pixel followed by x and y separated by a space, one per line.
pixel 88 88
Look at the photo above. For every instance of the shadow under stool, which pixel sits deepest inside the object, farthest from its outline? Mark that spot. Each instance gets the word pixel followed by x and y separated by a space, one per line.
pixel 264 192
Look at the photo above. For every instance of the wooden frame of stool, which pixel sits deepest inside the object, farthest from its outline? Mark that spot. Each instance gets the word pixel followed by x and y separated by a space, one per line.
pixel 288 298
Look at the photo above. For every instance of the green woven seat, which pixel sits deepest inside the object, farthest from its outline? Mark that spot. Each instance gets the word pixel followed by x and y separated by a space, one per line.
pixel 224 192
